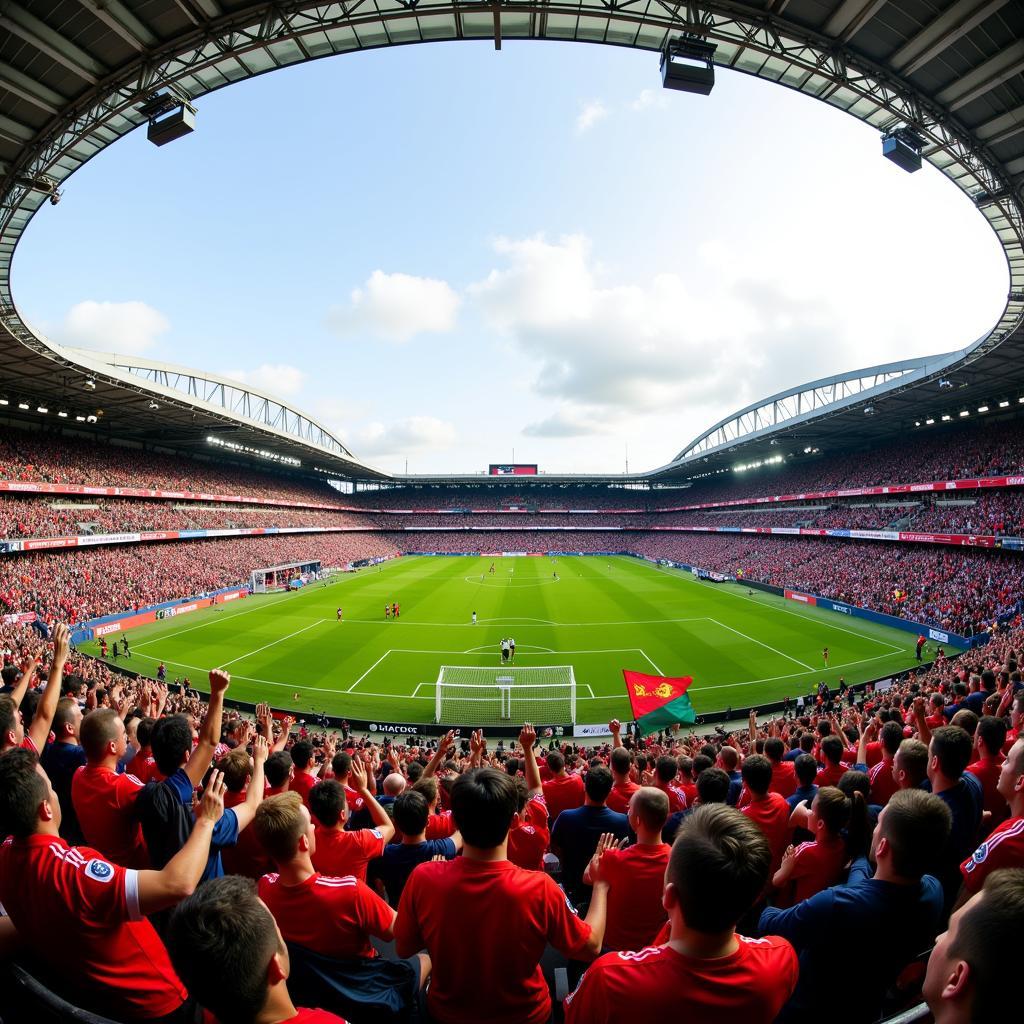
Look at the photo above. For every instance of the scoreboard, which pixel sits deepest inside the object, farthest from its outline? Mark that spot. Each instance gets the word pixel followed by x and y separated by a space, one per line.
pixel 512 469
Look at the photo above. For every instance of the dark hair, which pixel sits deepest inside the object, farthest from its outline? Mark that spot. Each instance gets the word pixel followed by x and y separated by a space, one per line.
pixel 237 768
pixel 685 766
pixel 913 755
pixel 917 825
pixel 667 768
pixel 327 801
pixel 64 715
pixel 719 866
pixel 483 804
pixel 952 747
pixel 989 938
pixel 172 740
pixel 620 760
pixel 832 749
pixel 598 783
pixel 8 714
pixel 278 768
pixel 555 762
pixel 302 754
pixel 757 774
pixel 700 763
pixel 992 733
pixel 713 786
pixel 100 728
pixel 22 790
pixel 341 763
pixel 410 812
pixel 891 736
pixel 807 742
pixel 774 748
pixel 806 769
pixel 221 940
pixel 144 731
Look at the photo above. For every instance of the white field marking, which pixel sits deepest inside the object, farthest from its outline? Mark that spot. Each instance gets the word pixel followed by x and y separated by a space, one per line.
pixel 518 618
pixel 767 647
pixel 655 667
pixel 420 686
pixel 273 643
pixel 546 622
pixel 788 611
pixel 514 584
pixel 522 648
pixel 367 672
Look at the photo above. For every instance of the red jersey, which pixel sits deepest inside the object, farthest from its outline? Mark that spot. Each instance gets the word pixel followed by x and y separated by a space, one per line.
pixel 340 853
pixel 636 879
pixel 873 754
pixel 818 866
pixel 830 775
pixel 619 797
pixel 676 797
pixel 143 767
pixel 314 1017
pixel 1004 848
pixel 81 915
pixel 529 840
pixel 563 793
pixel 689 790
pixel 354 800
pixel 105 804
pixel 783 778
pixel 247 857
pixel 883 783
pixel 498 968
pixel 440 826
pixel 302 784
pixel 986 771
pixel 331 916
pixel 749 986
pixel 772 816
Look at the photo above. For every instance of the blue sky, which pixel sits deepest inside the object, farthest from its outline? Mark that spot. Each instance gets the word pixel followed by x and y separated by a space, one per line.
pixel 446 252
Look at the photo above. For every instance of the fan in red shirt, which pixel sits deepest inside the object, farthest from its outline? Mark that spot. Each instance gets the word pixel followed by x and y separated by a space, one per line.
pixel 105 801
pixel 227 948
pixel 665 771
pixel 334 917
pixel 783 772
pixel 143 764
pixel 340 852
pixel 703 971
pixel 304 779
pixel 563 791
pixel 1004 848
pixel 636 875
pixel 529 836
pixel 882 775
pixel 831 749
pixel 12 724
pixel 86 917
pixel 988 744
pixel 620 762
pixel 341 768
pixel 770 811
pixel 483 971
pixel 687 783
pixel 810 867
pixel 247 857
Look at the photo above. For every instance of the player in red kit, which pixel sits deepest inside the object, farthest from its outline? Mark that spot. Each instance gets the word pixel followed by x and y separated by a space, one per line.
pixel 702 970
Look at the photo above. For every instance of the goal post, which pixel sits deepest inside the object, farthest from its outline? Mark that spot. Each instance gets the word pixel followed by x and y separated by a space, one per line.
pixel 505 695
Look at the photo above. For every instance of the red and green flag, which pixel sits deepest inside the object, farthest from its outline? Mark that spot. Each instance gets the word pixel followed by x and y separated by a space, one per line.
pixel 658 701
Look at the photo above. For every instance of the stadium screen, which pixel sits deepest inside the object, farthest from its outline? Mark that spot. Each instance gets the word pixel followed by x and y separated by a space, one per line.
pixel 512 469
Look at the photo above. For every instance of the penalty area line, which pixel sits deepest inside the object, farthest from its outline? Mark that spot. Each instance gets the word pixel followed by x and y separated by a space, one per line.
pixel 273 643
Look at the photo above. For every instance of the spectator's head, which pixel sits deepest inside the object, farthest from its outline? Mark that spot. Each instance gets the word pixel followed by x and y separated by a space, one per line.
pixel 103 737
pixel 555 762
pixel 713 786
pixel 648 812
pixel 302 754
pixel 700 763
pixel 67 721
pixel 620 763
pixel 717 868
pixel 685 768
pixel 991 735
pixel 410 814
pixel 227 949
pixel 279 769
pixel 910 765
pixel 806 769
pixel 891 736
pixel 237 769
pixel 414 769
pixel 949 753
pixel 807 742
pixel 598 784
pixel 774 749
pixel 427 785
pixel 966 720
pixel 1011 778
pixel 284 828
pixel 394 784
pixel 757 774
pixel 912 830
pixel 667 769
pixel 144 733
pixel 328 803
pixel 172 742
pixel 728 758
pixel 28 803
pixel 830 812
pixel 484 802
pixel 832 750
pixel 970 970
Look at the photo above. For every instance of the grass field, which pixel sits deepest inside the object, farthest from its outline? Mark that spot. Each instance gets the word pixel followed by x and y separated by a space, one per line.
pixel 600 616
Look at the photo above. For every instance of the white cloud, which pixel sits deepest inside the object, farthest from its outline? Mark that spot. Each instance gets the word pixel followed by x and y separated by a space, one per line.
pixel 590 113
pixel 568 422
pixel 397 307
pixel 278 379
pixel 415 434
pixel 128 328
pixel 650 99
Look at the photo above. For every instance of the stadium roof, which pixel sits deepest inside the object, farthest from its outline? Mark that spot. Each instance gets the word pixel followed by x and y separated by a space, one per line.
pixel 73 74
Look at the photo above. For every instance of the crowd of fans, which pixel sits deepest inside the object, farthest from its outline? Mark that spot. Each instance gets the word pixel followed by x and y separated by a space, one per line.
pixel 167 857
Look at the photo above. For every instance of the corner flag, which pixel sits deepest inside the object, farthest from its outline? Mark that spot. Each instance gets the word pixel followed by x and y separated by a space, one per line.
pixel 658 701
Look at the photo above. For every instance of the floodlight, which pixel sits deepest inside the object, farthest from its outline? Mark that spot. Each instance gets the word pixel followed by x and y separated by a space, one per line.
pixel 23 405
pixel 943 383
pixel 154 406
pixel 170 114
pixel 4 401
pixel 1003 405
pixel 42 408
pixel 79 419
pixel 90 384
pixel 869 410
pixel 62 414
pixel 929 422
pixel 946 417
pixel 964 412
pixel 90 419
pixel 982 408
pixel 903 147
pixel 687 65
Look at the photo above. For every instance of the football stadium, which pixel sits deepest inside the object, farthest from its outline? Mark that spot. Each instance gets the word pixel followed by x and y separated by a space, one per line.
pixel 281 726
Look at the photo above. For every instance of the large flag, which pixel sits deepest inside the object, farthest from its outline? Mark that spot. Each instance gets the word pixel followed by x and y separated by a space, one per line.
pixel 658 701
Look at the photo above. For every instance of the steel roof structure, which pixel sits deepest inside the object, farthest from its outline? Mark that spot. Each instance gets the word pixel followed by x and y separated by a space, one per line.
pixel 74 73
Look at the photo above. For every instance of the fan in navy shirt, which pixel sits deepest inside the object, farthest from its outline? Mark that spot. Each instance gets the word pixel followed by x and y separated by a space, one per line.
pixel 890 915
pixel 60 760
pixel 712 788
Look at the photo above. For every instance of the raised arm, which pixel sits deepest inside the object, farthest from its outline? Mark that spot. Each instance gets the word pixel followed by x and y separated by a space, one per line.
pixel 615 727
pixel 924 732
pixel 358 780
pixel 444 745
pixel 39 731
pixel 246 811
pixel 527 740
pixel 209 731
pixel 161 889
pixel 28 671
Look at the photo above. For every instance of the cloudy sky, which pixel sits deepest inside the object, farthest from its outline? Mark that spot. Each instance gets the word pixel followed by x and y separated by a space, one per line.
pixel 448 253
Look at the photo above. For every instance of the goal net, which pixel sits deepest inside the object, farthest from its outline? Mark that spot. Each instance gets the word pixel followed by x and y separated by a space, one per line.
pixel 505 694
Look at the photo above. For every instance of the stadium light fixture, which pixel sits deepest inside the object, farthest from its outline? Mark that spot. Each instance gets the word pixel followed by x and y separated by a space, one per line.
pixel 23 405
pixel 943 383
pixel 688 65
pixel 170 114
pixel 982 408
pixel 91 419
pixel 153 406
pixel 946 418
pixel 90 384
pixel 42 409
pixel 4 401
pixel 79 419
pixel 1003 405
pixel 903 147
pixel 929 422
pixel 964 412
pixel 62 414
pixel 917 423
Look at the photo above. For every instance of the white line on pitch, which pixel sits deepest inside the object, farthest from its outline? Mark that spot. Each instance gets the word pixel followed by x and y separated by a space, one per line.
pixel 273 643
pixel 760 643
pixel 367 672
pixel 655 667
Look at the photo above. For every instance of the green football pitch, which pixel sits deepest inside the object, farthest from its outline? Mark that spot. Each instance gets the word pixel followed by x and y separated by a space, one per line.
pixel 599 615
